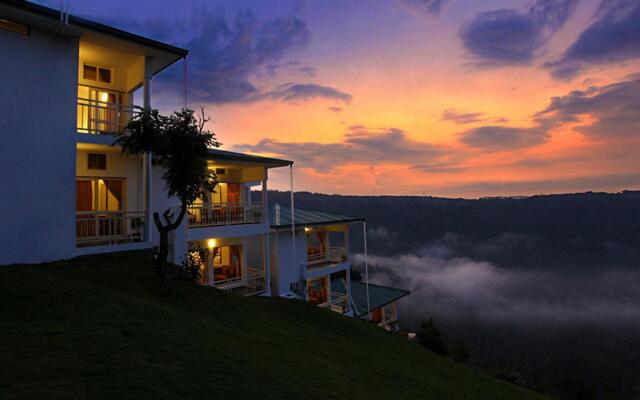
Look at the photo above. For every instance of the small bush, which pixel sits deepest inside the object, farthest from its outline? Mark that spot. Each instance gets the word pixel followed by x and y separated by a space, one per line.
pixel 430 337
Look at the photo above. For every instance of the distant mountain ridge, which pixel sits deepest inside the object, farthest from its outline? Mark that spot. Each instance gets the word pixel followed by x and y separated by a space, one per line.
pixel 561 230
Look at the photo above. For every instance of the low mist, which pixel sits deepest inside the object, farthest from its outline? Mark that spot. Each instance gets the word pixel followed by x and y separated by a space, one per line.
pixel 448 286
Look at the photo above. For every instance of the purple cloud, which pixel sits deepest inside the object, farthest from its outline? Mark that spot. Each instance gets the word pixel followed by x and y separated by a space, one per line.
pixel 613 37
pixel 509 36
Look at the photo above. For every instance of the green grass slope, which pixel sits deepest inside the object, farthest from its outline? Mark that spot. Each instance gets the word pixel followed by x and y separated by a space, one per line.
pixel 96 328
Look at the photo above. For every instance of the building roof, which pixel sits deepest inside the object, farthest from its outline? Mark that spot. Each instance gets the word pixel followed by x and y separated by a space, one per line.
pixel 224 155
pixel 45 17
pixel 307 218
pixel 379 296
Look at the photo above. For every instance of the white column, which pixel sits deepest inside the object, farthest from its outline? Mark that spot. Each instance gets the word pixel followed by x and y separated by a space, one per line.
pixel 148 73
pixel 265 198
pixel 348 287
pixel 210 273
pixel 293 232
pixel 266 261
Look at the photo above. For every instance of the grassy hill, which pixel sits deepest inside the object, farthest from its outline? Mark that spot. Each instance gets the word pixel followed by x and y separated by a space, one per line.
pixel 96 328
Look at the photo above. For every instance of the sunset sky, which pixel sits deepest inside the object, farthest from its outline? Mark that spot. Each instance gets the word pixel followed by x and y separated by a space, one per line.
pixel 448 98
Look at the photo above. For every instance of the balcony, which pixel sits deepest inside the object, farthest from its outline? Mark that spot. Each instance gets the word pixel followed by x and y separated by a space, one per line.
pixel 103 118
pixel 224 214
pixel 103 228
pixel 338 302
pixel 251 283
pixel 319 259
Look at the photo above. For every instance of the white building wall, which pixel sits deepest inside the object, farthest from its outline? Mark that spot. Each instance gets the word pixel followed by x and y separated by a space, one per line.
pixel 285 267
pixel 38 151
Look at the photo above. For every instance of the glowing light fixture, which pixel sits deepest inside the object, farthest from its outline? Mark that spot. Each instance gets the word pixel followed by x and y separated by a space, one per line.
pixel 307 229
pixel 104 97
pixel 212 243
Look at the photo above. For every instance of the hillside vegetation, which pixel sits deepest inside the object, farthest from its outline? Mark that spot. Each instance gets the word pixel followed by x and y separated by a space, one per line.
pixel 96 328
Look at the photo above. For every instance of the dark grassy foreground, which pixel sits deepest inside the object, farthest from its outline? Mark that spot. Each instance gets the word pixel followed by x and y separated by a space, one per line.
pixel 96 328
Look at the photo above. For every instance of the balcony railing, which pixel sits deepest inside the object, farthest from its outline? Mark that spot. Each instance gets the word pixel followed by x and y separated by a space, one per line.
pixel 338 302
pixel 334 255
pixel 98 117
pixel 100 228
pixel 389 323
pixel 224 214
pixel 251 283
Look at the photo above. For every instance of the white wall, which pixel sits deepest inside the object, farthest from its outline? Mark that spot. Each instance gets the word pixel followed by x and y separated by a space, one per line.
pixel 37 152
pixel 285 269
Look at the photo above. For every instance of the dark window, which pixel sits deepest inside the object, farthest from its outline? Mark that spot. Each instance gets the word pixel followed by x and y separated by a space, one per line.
pixel 90 72
pixel 97 161
pixel 105 75
pixel 221 171
pixel 14 27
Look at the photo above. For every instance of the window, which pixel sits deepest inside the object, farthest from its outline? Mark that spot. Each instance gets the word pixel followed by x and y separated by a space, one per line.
pixel 14 27
pixel 90 73
pixel 98 74
pixel 97 161
pixel 95 194
pixel 105 75
pixel 317 291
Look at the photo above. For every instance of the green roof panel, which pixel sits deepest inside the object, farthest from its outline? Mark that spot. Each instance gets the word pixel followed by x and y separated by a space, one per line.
pixel 307 218
pixel 379 296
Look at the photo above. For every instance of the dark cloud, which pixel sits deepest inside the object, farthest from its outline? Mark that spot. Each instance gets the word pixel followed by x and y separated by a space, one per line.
pixel 509 36
pixel 461 118
pixel 615 108
pixel 335 109
pixel 226 59
pixel 358 147
pixel 610 182
pixel 293 92
pixel 497 138
pixel 424 7
pixel 614 36
pixel 440 168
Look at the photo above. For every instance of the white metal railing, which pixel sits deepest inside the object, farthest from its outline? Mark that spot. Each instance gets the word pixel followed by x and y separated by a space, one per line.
pixel 338 302
pixel 98 117
pixel 389 323
pixel 332 255
pixel 96 228
pixel 251 283
pixel 224 214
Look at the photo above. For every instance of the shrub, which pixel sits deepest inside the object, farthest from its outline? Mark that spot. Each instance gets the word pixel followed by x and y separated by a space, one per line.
pixel 430 337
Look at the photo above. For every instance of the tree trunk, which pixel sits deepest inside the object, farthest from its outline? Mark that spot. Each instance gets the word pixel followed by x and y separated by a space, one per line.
pixel 162 269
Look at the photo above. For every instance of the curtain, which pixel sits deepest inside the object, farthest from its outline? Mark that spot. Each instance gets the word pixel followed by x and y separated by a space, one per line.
pixel 114 187
pixel 233 193
pixel 84 196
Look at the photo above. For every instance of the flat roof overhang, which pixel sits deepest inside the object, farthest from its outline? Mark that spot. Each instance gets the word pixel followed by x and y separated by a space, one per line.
pixel 319 223
pixel 224 156
pixel 48 19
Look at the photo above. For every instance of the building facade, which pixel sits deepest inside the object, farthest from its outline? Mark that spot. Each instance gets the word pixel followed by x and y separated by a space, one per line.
pixel 69 85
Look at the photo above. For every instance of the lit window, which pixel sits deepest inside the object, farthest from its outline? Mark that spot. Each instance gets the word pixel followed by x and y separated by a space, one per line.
pixel 98 74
